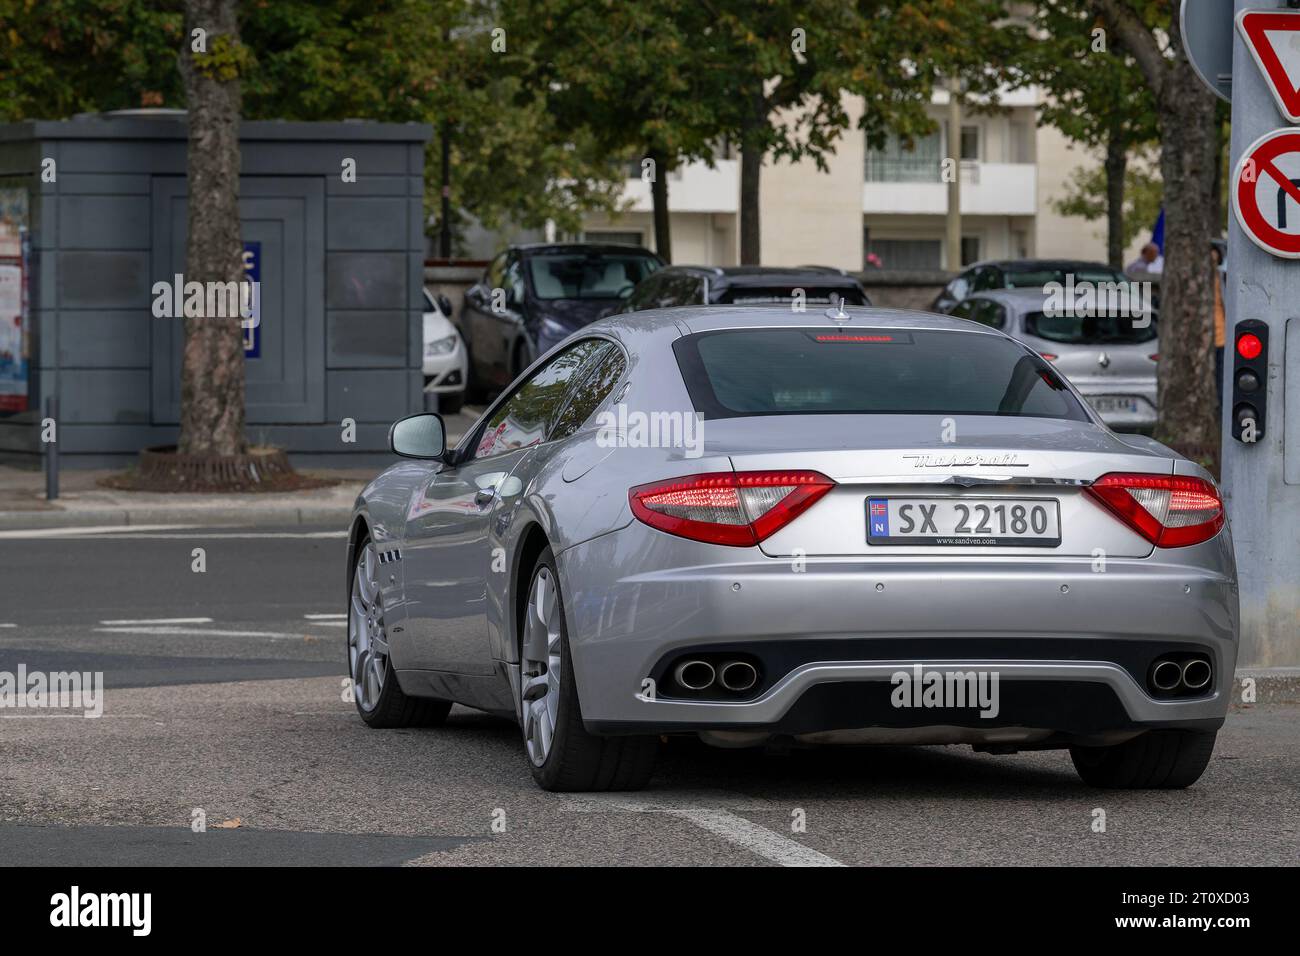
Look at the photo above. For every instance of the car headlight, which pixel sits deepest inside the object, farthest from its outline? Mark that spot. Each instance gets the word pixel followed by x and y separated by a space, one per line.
pixel 442 346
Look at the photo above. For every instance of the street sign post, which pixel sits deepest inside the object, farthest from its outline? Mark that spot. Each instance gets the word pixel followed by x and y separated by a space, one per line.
pixel 1266 193
pixel 1261 478
pixel 1207 37
pixel 1273 38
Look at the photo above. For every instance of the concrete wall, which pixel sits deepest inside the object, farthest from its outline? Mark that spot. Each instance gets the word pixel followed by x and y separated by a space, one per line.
pixel 107 228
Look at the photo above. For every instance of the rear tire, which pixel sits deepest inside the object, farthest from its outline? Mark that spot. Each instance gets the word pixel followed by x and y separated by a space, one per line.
pixel 381 702
pixel 575 760
pixel 1157 760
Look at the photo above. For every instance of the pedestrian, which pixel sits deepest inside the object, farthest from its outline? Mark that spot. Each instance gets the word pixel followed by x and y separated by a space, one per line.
pixel 1149 261
pixel 1220 320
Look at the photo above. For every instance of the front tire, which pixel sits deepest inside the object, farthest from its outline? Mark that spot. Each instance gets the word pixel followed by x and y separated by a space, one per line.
pixel 1157 760
pixel 563 755
pixel 379 699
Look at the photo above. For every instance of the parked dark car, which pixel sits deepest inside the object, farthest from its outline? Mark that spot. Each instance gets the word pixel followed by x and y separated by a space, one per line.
pixel 1020 274
pixel 532 296
pixel 743 285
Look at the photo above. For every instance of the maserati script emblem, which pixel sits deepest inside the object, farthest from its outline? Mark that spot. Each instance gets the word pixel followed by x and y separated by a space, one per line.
pixel 1009 460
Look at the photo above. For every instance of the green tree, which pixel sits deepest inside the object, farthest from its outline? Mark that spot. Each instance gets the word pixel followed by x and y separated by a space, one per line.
pixel 1189 157
pixel 789 65
pixel 630 77
pixel 1089 195
pixel 1097 96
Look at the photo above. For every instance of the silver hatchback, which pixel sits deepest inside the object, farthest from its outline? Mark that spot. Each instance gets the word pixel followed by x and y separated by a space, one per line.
pixel 1110 357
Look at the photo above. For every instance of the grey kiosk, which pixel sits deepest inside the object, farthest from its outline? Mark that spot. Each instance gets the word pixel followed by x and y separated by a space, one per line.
pixel 92 215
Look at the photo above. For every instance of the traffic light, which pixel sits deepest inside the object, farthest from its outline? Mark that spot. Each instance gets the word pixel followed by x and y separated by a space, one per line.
pixel 1249 380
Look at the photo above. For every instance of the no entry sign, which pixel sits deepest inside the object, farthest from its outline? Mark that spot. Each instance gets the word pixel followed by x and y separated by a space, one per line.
pixel 1266 193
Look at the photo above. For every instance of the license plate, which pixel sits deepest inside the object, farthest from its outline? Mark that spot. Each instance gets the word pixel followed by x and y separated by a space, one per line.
pixel 1113 403
pixel 965 522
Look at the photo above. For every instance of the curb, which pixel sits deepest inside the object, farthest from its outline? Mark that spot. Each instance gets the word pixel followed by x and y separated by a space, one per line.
pixel 125 517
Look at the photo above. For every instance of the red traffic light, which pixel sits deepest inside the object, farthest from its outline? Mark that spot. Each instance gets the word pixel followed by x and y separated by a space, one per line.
pixel 1249 346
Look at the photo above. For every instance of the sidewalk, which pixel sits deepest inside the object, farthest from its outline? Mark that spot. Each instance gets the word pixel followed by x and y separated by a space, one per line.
pixel 82 503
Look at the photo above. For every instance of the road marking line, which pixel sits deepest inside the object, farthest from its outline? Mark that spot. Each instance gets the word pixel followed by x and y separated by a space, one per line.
pixel 8 625
pixel 96 530
pixel 758 840
pixel 732 827
pixel 330 623
pixel 273 635
pixel 326 617
pixel 161 620
pixel 206 535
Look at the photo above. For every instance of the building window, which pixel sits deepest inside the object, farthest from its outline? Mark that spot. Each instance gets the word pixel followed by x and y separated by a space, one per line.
pixel 616 238
pixel 921 254
pixel 970 249
pixel 970 143
pixel 898 164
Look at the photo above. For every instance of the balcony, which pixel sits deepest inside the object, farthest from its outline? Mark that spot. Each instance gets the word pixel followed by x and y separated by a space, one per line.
pixel 988 189
pixel 693 188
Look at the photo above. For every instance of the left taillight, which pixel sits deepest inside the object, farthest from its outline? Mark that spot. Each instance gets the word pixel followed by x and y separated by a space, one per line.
pixel 734 508
pixel 1170 511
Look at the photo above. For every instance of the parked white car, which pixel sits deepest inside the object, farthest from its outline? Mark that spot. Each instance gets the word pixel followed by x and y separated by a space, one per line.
pixel 445 361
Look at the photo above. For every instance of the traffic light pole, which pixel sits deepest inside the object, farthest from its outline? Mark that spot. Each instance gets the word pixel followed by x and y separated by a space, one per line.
pixel 1261 478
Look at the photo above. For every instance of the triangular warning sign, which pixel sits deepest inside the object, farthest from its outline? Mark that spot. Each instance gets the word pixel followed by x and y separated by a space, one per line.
pixel 1273 38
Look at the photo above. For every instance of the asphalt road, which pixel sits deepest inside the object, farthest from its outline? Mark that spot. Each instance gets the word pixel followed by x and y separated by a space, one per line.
pixel 224 703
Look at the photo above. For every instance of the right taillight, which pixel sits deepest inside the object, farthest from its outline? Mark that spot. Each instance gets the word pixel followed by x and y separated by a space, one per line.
pixel 1170 511
pixel 733 508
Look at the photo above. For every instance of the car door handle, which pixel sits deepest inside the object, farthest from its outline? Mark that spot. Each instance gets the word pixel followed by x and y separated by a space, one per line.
pixel 484 497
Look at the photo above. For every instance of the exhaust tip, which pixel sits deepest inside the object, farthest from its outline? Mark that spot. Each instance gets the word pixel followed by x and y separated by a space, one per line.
pixel 694 674
pixel 1166 675
pixel 1196 674
pixel 738 675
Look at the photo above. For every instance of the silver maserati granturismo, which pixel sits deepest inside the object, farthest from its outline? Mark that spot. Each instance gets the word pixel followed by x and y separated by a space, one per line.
pixel 851 526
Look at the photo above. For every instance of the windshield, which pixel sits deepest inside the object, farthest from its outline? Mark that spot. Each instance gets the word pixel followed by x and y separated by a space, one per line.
pixel 813 295
pixel 1091 329
pixel 582 276
pixel 1037 278
pixel 745 372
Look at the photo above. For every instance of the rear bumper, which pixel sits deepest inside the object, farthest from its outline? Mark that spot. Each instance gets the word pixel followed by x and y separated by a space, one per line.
pixel 1070 646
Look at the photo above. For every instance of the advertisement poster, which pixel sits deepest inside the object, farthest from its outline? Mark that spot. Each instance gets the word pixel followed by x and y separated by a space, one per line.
pixel 14 340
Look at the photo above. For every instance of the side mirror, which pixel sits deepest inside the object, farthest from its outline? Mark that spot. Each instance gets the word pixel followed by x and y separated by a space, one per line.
pixel 418 436
pixel 444 303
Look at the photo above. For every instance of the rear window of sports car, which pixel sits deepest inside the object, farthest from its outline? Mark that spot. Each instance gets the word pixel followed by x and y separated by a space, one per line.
pixel 748 372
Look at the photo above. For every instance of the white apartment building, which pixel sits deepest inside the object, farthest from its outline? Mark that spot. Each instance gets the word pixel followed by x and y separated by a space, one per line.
pixel 889 202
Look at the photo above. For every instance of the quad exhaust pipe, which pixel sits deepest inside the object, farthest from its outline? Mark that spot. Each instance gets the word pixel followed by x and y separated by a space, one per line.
pixel 1166 675
pixel 698 674
pixel 738 675
pixel 1173 676
pixel 694 674
pixel 1196 674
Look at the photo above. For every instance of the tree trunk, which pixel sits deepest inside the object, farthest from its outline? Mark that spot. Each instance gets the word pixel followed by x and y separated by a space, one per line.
pixel 753 144
pixel 1116 167
pixel 751 167
pixel 212 369
pixel 1186 372
pixel 1185 111
pixel 659 197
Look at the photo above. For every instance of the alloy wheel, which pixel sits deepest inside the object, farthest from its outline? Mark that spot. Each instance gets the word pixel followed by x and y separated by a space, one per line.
pixel 367 639
pixel 540 669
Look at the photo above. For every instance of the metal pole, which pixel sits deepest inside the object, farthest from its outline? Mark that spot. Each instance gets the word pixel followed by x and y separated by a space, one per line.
pixel 1262 480
pixel 954 185
pixel 52 450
